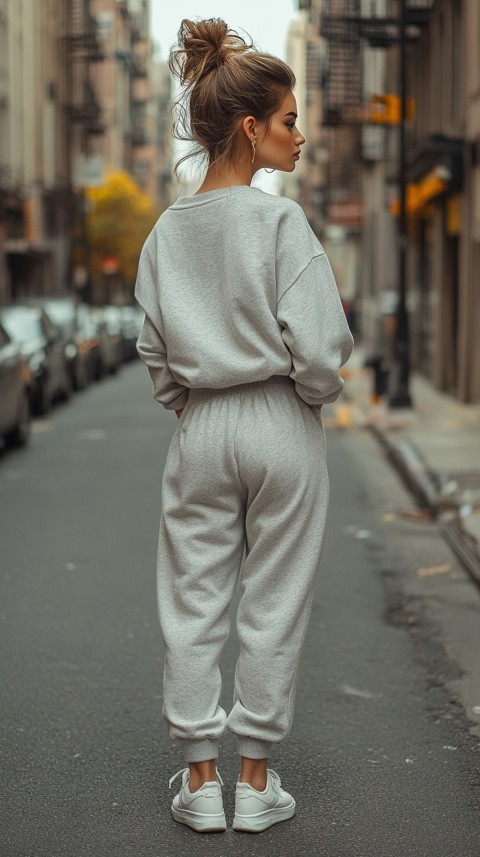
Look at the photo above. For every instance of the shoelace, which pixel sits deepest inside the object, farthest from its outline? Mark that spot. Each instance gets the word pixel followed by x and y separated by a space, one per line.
pixel 182 771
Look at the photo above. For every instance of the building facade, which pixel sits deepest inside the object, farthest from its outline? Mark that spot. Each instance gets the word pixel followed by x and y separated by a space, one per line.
pixel 17 151
pixel 327 182
pixel 444 210
pixel 80 95
pixel 48 110
pixel 360 127
pixel 161 147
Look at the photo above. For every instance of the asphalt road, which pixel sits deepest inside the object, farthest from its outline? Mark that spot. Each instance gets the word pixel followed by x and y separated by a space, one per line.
pixel 380 758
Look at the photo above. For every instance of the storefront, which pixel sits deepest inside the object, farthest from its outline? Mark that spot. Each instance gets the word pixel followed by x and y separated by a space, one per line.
pixel 436 243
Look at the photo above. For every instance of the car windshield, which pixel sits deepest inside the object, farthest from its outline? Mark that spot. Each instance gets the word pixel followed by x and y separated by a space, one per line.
pixel 62 314
pixel 22 326
pixel 112 318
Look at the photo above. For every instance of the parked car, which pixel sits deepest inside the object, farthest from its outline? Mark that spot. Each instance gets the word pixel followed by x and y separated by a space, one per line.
pixel 64 311
pixel 89 332
pixel 110 336
pixel 116 326
pixel 43 345
pixel 131 320
pixel 15 392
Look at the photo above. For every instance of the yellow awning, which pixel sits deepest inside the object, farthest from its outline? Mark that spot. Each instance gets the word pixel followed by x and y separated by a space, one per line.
pixel 420 194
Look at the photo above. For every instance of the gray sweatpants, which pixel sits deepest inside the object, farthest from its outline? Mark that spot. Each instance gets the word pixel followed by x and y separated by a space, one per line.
pixel 246 469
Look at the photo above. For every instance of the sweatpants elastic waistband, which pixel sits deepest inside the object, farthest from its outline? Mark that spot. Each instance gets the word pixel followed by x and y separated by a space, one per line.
pixel 274 383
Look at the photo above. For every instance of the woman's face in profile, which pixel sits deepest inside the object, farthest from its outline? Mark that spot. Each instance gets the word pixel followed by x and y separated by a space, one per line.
pixel 280 148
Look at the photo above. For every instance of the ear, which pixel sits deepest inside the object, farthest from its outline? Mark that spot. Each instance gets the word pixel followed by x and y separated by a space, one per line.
pixel 249 125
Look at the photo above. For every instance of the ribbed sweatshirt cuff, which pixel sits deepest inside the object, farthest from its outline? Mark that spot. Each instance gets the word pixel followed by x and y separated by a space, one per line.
pixel 199 750
pixel 252 748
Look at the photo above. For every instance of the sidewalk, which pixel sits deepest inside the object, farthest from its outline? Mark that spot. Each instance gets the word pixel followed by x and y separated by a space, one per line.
pixel 435 446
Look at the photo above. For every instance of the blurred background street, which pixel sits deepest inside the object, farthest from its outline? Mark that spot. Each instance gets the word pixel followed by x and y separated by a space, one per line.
pixel 384 756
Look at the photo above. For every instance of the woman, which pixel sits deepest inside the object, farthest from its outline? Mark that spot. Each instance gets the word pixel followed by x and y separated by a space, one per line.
pixel 244 335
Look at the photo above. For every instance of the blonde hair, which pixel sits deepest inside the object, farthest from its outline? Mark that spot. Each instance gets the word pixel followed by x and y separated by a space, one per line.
pixel 224 79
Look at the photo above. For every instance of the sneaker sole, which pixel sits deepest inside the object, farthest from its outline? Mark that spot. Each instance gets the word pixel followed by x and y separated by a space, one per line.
pixel 200 823
pixel 263 820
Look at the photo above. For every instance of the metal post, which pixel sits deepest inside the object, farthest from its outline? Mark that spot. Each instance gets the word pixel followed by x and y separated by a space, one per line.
pixel 86 247
pixel 400 396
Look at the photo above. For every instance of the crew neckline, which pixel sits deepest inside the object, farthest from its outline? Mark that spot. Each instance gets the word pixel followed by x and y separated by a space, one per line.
pixel 211 195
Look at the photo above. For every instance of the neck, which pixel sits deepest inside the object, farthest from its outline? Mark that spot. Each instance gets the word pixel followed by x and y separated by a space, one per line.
pixel 240 174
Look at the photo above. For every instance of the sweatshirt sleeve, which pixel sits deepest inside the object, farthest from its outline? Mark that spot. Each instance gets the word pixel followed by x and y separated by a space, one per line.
pixel 151 348
pixel 315 331
pixel 150 344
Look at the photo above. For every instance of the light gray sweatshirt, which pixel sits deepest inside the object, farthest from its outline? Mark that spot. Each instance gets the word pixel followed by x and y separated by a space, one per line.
pixel 236 288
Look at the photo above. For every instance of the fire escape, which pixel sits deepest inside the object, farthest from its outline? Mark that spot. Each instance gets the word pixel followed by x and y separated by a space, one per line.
pixel 342 97
pixel 348 28
pixel 83 49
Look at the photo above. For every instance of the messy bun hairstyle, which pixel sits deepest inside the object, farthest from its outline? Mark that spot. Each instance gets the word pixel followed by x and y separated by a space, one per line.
pixel 224 79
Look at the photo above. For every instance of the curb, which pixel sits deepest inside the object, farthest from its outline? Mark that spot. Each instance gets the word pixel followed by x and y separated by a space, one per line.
pixel 425 486
pixel 412 467
pixel 464 545
pixel 408 461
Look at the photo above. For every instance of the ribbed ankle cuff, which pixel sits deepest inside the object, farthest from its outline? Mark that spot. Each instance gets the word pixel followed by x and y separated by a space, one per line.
pixel 199 751
pixel 252 748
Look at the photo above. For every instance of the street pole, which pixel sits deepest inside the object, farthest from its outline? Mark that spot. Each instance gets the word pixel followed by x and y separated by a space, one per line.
pixel 400 395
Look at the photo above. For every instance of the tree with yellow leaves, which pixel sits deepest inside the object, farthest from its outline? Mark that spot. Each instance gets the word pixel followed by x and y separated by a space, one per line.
pixel 120 218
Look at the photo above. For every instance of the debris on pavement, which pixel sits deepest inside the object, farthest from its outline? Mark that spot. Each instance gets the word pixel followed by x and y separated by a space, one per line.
pixel 420 515
pixel 434 569
pixel 363 534
pixel 355 691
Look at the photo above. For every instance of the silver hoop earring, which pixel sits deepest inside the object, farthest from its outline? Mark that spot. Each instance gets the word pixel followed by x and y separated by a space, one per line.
pixel 269 171
pixel 254 151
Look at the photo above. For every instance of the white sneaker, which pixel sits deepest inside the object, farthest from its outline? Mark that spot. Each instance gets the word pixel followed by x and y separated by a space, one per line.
pixel 201 810
pixel 255 811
